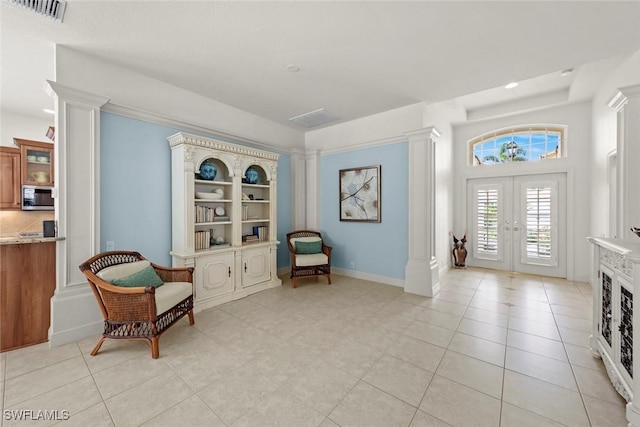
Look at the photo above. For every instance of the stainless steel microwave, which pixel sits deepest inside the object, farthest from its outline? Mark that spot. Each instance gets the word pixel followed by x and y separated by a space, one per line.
pixel 37 198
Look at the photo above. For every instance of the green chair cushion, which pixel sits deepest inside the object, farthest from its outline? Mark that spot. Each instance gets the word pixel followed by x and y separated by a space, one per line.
pixel 308 247
pixel 146 277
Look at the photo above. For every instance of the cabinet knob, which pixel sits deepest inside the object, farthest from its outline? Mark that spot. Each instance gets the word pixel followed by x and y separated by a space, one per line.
pixel 245 267
pixel 229 271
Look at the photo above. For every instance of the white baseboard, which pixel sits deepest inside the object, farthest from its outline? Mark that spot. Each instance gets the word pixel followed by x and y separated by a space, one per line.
pixel 393 281
pixel 286 271
pixel 76 334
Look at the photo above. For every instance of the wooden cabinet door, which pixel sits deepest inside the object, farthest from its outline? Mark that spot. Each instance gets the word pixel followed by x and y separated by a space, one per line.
pixel 9 178
pixel 255 266
pixel 37 162
pixel 214 275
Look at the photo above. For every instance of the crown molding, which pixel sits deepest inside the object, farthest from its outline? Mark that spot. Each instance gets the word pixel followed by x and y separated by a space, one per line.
pixel 199 141
pixel 163 120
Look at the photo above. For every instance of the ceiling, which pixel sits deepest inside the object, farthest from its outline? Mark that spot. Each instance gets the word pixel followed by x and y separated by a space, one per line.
pixel 355 58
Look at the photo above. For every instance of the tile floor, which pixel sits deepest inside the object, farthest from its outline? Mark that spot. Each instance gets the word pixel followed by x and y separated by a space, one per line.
pixel 492 349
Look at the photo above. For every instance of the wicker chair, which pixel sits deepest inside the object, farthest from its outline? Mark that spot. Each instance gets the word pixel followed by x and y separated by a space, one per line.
pixel 131 312
pixel 305 265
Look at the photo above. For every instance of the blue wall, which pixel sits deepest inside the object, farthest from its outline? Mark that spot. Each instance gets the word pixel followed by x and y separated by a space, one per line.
pixel 374 248
pixel 135 188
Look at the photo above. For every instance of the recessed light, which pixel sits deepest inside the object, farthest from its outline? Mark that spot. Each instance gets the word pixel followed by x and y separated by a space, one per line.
pixel 511 85
pixel 565 73
pixel 48 110
pixel 293 68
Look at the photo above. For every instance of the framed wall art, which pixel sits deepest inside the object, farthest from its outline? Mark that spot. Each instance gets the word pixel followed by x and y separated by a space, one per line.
pixel 360 194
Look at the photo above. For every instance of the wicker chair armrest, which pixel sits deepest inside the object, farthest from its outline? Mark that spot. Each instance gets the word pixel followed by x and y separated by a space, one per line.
pixel 168 274
pixel 327 251
pixel 123 304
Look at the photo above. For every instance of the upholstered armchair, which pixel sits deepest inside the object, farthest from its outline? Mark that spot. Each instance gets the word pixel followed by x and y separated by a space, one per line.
pixel 309 255
pixel 138 299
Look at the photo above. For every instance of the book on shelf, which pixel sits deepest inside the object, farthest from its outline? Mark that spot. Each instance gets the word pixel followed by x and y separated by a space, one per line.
pixel 262 232
pixel 250 238
pixel 202 240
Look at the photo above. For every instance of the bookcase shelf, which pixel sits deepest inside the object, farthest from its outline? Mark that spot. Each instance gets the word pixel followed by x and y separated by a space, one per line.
pixel 223 272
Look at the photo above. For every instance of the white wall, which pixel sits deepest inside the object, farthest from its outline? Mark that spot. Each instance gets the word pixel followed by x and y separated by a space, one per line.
pixel 375 128
pixel 604 139
pixel 129 89
pixel 578 119
pixel 23 127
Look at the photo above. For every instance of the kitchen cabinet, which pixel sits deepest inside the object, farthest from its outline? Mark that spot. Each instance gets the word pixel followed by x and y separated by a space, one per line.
pixel 37 162
pixel 27 284
pixel 9 178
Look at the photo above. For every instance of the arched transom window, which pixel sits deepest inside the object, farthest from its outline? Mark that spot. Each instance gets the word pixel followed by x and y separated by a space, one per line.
pixel 520 144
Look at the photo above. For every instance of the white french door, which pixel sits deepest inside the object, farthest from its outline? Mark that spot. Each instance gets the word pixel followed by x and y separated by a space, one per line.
pixel 518 224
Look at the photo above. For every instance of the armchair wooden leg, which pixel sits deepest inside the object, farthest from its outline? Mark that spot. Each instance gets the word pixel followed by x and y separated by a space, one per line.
pixel 155 347
pixel 96 349
pixel 191 319
pixel 329 278
pixel 295 285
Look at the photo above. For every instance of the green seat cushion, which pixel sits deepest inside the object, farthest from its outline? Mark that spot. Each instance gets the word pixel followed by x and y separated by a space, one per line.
pixel 146 277
pixel 309 247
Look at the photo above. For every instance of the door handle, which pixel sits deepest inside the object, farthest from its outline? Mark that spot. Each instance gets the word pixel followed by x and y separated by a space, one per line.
pixel 245 267
pixel 229 271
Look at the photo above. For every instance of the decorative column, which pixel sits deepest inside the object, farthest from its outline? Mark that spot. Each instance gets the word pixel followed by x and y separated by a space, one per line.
pixel 626 102
pixel 313 189
pixel 421 272
pixel 74 312
pixel 298 190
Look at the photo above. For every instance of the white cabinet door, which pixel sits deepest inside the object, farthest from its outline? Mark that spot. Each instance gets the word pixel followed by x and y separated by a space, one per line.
pixel 255 266
pixel 214 275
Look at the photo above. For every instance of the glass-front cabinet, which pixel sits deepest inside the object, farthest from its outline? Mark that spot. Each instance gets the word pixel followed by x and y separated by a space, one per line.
pixel 223 218
pixel 616 276
pixel 37 162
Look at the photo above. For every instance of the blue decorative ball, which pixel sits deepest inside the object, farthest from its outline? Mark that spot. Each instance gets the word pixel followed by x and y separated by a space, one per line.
pixel 208 170
pixel 252 175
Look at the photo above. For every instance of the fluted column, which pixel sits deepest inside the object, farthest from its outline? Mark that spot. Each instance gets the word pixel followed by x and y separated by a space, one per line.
pixel 626 102
pixel 421 271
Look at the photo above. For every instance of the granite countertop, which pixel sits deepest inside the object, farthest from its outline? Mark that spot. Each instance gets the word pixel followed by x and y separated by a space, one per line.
pixel 19 240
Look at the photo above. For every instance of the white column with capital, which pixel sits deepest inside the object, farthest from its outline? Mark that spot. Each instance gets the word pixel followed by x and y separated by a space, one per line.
pixel 298 190
pixel 421 272
pixel 626 102
pixel 313 189
pixel 74 311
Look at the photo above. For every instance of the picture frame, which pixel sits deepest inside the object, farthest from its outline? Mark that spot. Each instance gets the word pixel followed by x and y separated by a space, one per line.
pixel 359 193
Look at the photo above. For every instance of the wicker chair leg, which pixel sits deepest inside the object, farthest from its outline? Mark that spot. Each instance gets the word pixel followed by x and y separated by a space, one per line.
pixel 96 349
pixel 191 319
pixel 155 347
pixel 329 278
pixel 295 285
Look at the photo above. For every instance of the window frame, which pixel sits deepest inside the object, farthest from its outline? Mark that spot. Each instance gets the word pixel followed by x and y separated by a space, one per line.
pixel 561 130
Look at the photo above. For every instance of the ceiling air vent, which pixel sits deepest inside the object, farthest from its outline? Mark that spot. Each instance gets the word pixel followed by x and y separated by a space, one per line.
pixel 54 9
pixel 314 118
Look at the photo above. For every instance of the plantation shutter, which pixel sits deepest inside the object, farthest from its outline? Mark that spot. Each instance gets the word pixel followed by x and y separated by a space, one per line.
pixel 539 244
pixel 487 220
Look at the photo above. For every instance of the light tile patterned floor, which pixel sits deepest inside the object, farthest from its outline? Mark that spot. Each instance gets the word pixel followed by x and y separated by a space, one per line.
pixel 492 349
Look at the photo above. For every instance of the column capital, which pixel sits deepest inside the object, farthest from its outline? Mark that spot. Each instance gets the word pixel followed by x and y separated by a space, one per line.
pixel 66 92
pixel 622 95
pixel 429 132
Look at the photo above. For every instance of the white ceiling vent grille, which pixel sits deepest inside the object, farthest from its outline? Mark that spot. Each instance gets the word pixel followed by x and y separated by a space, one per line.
pixel 53 9
pixel 314 118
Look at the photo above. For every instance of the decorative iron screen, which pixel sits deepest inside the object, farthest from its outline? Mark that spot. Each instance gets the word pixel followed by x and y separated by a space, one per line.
pixel 626 330
pixel 606 307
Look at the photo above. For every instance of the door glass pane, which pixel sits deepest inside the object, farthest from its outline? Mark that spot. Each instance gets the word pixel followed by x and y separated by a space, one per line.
pixel 538 217
pixel 487 221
